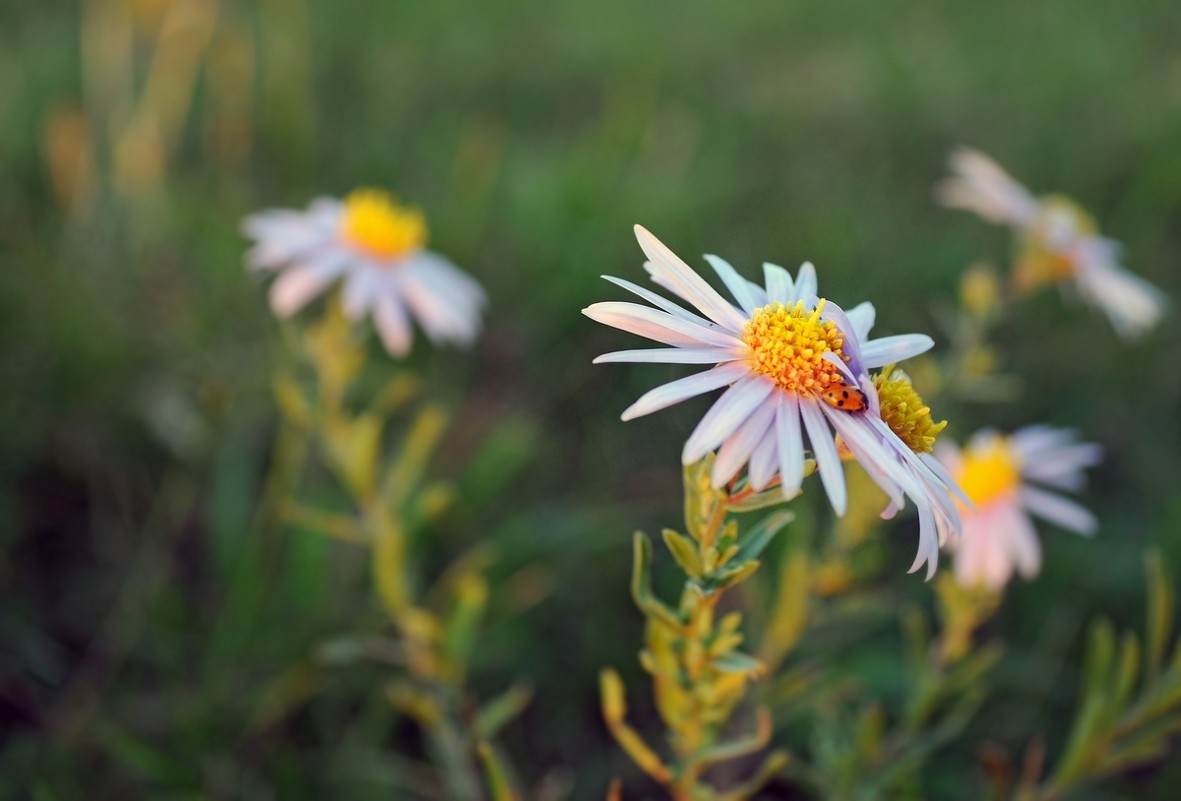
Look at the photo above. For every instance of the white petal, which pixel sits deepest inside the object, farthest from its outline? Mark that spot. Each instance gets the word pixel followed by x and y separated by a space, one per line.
pixel 684 388
pixel 687 283
pixel 879 352
pixel 1024 546
pixel 657 325
pixel 737 285
pixel 445 301
pixel 780 288
pixel 739 446
pixel 832 473
pixel 1059 510
pixel 674 355
pixel 728 412
pixel 392 324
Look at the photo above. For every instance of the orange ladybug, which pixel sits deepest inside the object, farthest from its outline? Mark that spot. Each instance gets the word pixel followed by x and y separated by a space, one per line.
pixel 843 397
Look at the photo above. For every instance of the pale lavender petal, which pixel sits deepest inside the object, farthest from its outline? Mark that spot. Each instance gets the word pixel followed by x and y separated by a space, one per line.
pixel 739 446
pixel 765 458
pixel 688 284
pixel 728 412
pixel 805 288
pixel 361 288
pixel 780 288
pixel 674 355
pixel 660 302
pixel 684 388
pixel 828 462
pixel 1059 510
pixel 862 317
pixel 887 350
pixel 738 286
pixel 791 444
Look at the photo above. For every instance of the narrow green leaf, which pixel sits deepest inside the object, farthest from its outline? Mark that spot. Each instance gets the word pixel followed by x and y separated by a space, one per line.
pixel 684 551
pixel 753 542
pixel 1160 614
pixel 497 713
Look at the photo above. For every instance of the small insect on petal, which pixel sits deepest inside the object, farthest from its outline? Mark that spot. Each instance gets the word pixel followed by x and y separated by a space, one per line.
pixel 843 397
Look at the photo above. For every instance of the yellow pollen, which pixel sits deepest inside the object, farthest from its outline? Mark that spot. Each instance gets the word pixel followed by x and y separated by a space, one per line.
pixel 904 412
pixel 376 224
pixel 989 472
pixel 788 344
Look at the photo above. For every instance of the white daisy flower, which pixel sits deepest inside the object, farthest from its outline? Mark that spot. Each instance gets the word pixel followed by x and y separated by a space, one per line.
pixel 794 367
pixel 376 249
pixel 1001 475
pixel 1059 242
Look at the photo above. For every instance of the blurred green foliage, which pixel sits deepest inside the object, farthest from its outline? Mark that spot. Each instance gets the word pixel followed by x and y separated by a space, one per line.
pixel 157 638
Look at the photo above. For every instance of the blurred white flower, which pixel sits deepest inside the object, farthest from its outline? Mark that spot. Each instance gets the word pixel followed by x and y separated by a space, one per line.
pixel 1000 475
pixel 793 365
pixel 1059 242
pixel 376 249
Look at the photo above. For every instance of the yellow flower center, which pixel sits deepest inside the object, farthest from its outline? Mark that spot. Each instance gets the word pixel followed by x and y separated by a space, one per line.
pixel 904 411
pixel 376 224
pixel 788 344
pixel 989 472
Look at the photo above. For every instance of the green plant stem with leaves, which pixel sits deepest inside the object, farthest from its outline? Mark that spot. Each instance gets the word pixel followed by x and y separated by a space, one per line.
pixel 691 651
pixel 438 628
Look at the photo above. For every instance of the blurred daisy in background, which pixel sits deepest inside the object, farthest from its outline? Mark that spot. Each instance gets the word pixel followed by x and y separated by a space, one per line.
pixel 1058 243
pixel 1001 474
pixel 793 366
pixel 376 249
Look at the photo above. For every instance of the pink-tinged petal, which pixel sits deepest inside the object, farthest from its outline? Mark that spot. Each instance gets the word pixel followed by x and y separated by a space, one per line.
pixel 780 287
pixel 728 412
pixel 950 457
pixel 687 283
pixel 393 326
pixel 982 187
pixel 1133 305
pixel 445 301
pixel 657 325
pixel 1024 546
pixel 1058 510
pixel 659 302
pixel 828 462
pixel 674 355
pixel 791 444
pixel 739 446
pixel 805 288
pixel 299 285
pixel 888 350
pixel 737 285
pixel 684 388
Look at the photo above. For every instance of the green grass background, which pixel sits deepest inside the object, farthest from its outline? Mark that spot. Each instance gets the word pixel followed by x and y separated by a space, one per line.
pixel 144 612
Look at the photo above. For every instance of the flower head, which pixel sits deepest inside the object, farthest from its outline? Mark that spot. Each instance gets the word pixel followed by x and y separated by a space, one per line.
pixel 786 358
pixel 1058 242
pixel 1000 475
pixel 376 249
